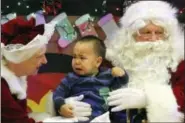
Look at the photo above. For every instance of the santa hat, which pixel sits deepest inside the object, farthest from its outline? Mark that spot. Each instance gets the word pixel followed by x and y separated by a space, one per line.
pixel 20 39
pixel 148 10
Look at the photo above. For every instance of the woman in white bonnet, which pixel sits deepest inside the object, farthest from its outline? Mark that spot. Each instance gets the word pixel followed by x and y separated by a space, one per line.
pixel 23 47
pixel 150 47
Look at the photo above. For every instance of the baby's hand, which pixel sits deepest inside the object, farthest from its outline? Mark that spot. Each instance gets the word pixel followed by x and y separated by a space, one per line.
pixel 117 72
pixel 66 111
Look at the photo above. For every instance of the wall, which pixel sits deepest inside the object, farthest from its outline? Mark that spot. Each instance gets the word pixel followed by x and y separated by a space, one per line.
pixel 53 47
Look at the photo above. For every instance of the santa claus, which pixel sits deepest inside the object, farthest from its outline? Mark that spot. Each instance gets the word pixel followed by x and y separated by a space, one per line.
pixel 150 47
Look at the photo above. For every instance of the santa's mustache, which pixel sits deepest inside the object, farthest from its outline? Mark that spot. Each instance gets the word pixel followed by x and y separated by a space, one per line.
pixel 148 53
pixel 149 47
pixel 150 61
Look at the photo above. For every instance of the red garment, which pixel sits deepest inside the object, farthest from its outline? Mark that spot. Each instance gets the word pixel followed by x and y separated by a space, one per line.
pixel 178 83
pixel 12 109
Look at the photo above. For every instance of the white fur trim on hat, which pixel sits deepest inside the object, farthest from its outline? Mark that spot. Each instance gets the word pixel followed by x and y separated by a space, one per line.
pixel 149 10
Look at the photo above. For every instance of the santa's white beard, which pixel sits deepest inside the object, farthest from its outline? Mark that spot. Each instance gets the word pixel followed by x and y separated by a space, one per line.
pixel 148 69
pixel 147 62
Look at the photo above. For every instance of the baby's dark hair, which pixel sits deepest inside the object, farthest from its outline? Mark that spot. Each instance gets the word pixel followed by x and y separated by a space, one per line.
pixel 99 46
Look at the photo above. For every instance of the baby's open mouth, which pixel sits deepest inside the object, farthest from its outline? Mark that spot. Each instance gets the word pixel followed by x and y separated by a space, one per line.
pixel 78 69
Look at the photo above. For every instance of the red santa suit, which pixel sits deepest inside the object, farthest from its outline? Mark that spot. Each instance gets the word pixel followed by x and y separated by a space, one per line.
pixel 178 82
pixel 13 100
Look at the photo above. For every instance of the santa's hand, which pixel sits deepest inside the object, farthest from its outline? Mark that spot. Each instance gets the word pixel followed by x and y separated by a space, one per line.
pixel 126 98
pixel 80 109
pixel 117 72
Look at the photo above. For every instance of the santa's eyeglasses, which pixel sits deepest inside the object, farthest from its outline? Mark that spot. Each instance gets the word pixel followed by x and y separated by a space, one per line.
pixel 148 35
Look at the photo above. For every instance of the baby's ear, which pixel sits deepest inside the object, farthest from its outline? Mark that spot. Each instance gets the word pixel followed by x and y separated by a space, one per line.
pixel 99 61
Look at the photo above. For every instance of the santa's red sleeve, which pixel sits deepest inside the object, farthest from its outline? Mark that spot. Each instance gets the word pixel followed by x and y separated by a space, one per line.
pixel 13 110
pixel 178 83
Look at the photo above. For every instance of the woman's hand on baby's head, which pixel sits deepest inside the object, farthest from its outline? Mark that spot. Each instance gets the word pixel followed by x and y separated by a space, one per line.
pixel 66 110
pixel 117 72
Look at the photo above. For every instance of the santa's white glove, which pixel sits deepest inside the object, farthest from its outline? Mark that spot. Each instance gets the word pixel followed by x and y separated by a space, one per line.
pixel 81 110
pixel 126 98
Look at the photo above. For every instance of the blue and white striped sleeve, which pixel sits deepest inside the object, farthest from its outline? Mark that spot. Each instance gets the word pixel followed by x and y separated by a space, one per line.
pixel 61 92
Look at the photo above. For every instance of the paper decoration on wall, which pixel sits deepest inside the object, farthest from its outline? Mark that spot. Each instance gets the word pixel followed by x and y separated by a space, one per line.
pixel 39 17
pixel 65 30
pixel 85 25
pixel 38 107
pixel 109 26
pixel 8 17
